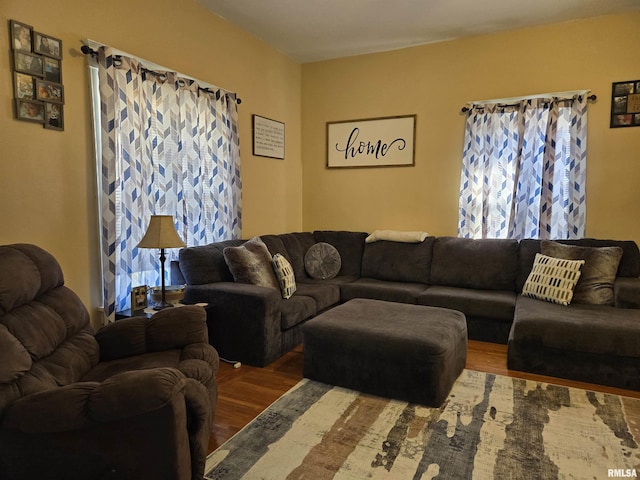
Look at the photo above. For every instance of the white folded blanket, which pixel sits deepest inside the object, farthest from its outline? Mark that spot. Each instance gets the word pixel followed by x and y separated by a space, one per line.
pixel 396 236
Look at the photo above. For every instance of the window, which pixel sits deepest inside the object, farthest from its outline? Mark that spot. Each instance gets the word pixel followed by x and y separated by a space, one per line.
pixel 165 146
pixel 523 169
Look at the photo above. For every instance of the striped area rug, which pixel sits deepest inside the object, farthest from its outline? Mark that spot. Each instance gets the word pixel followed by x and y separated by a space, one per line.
pixel 489 427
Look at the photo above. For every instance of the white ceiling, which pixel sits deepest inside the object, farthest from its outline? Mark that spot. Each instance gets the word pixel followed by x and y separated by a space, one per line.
pixel 312 30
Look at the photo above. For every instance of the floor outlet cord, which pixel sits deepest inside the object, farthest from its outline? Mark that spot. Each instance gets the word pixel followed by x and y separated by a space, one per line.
pixel 235 363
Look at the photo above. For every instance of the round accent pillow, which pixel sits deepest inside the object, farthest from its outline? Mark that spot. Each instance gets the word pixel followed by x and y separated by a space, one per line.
pixel 322 261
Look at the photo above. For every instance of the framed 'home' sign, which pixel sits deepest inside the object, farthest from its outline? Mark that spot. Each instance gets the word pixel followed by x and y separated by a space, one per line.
pixel 374 142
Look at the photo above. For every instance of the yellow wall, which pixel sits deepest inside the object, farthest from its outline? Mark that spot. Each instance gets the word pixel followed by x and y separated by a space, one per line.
pixel 435 81
pixel 47 178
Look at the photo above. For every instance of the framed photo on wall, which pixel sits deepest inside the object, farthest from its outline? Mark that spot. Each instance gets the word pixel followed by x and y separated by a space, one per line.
pixel 21 36
pixel 46 45
pixel 52 70
pixel 23 84
pixel 625 104
pixel 37 76
pixel 53 116
pixel 373 142
pixel 30 111
pixel 49 91
pixel 28 63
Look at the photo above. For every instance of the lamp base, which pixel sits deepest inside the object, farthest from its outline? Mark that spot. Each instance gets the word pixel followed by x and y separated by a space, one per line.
pixel 162 306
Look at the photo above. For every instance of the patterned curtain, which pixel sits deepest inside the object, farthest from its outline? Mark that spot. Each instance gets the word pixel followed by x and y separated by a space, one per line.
pixel 523 170
pixel 168 147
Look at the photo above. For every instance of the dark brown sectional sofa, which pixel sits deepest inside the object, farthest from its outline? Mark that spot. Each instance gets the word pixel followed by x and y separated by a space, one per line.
pixel 481 278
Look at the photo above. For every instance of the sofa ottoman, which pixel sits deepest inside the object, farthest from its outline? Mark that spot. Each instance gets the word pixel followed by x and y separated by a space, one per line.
pixel 407 352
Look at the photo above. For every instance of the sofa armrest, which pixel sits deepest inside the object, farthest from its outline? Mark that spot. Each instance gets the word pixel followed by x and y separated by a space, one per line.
pixel 627 292
pixel 84 404
pixel 243 320
pixel 167 329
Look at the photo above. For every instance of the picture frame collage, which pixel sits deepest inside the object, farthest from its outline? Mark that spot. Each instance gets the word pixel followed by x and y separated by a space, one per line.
pixel 37 76
pixel 625 104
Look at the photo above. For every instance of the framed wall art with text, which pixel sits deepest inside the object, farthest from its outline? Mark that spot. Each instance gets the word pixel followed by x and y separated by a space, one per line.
pixel 374 142
pixel 268 137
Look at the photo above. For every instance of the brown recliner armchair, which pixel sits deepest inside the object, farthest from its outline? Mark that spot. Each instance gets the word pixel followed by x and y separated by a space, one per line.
pixel 133 401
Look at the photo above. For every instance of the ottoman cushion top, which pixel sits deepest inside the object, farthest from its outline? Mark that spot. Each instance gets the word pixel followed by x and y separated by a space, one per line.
pixel 402 328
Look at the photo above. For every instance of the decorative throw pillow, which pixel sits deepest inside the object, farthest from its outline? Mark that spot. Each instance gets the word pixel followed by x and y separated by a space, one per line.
pixel 396 236
pixel 598 274
pixel 284 274
pixel 251 263
pixel 322 261
pixel 552 279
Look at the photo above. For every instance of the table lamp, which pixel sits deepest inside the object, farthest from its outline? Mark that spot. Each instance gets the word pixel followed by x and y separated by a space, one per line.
pixel 161 233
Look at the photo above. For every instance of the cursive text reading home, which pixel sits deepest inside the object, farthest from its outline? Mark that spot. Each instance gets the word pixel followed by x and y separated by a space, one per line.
pixel 354 148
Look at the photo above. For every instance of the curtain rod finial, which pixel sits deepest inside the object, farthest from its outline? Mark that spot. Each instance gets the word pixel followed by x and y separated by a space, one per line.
pixel 87 50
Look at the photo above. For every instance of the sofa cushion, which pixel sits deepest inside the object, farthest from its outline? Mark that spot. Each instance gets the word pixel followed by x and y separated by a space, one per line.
pixel 339 280
pixel 46 337
pixel 595 285
pixel 32 272
pixel 629 263
pixel 483 264
pixel 13 349
pixel 599 329
pixel 404 292
pixel 350 246
pixel 325 294
pixel 297 245
pixel 109 368
pixel 398 262
pixel 295 310
pixel 322 261
pixel 251 263
pixel 552 279
pixel 284 275
pixel 627 292
pixel 493 304
pixel 526 253
pixel 205 264
pixel 275 245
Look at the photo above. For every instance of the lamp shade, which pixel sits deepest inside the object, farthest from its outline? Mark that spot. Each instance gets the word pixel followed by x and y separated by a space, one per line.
pixel 161 233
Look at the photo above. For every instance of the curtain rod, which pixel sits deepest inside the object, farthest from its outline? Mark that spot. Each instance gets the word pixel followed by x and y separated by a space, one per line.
pixel 87 50
pixel 508 102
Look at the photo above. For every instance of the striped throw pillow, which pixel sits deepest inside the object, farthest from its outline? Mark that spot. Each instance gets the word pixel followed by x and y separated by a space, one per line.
pixel 552 279
pixel 284 274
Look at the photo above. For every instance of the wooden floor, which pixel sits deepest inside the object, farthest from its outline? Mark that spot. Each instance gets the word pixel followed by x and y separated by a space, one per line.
pixel 246 391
